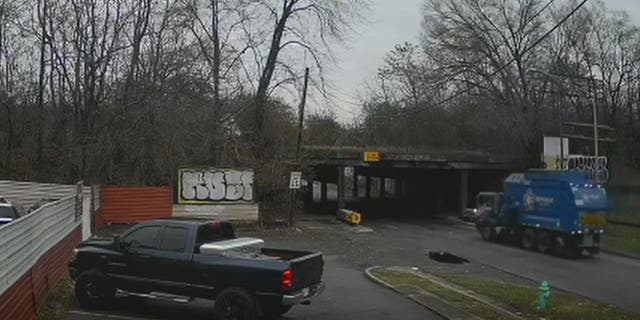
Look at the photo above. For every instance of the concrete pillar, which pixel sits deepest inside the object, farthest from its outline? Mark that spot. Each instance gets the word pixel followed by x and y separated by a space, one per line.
pixel 397 188
pixel 341 188
pixel 323 191
pixel 355 183
pixel 367 186
pixel 464 189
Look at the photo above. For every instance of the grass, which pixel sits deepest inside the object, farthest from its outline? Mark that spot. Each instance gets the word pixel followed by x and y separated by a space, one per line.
pixel 625 217
pixel 524 299
pixel 622 238
pixel 59 302
pixel 460 301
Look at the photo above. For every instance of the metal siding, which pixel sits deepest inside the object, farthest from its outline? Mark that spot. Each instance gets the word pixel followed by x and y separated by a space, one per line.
pixel 134 204
pixel 25 194
pixel 28 239
pixel 232 212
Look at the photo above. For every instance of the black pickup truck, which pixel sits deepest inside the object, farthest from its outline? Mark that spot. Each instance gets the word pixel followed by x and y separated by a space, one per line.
pixel 196 259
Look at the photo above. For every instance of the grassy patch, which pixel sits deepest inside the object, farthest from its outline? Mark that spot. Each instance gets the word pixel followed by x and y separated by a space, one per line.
pixel 454 298
pixel 622 238
pixel 58 302
pixel 625 217
pixel 524 298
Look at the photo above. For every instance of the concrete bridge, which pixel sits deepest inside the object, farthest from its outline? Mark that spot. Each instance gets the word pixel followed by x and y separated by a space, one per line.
pixel 396 182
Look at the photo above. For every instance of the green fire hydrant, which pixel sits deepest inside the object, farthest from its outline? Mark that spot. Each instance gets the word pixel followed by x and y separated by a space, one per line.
pixel 545 296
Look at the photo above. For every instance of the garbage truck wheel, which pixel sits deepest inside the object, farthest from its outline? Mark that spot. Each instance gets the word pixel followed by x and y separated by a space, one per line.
pixel 488 233
pixel 528 239
pixel 544 242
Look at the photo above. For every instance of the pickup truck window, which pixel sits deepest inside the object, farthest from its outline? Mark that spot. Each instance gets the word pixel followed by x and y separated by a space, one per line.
pixel 174 239
pixel 145 236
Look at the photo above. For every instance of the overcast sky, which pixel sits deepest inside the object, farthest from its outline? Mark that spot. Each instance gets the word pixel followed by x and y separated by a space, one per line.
pixel 390 22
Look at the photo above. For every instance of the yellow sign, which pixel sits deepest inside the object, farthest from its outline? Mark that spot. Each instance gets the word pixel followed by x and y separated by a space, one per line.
pixel 372 156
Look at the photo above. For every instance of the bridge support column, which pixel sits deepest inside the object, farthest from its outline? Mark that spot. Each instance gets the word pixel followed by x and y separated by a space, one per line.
pixel 367 186
pixel 323 191
pixel 356 193
pixel 464 189
pixel 341 188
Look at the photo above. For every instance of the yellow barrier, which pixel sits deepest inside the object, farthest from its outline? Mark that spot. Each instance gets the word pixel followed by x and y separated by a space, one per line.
pixel 349 216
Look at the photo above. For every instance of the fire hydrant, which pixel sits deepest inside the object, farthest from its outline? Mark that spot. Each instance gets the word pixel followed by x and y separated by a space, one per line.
pixel 545 296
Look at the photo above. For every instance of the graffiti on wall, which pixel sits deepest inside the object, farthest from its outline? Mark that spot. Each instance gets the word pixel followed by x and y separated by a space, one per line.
pixel 207 186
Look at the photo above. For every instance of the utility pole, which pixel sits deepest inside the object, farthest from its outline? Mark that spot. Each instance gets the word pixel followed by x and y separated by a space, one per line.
pixel 559 102
pixel 301 111
pixel 595 127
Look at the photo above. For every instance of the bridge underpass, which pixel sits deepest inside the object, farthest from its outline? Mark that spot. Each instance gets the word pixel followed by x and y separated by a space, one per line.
pixel 402 184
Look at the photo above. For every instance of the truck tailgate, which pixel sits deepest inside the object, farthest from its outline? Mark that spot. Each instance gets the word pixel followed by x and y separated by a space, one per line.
pixel 307 270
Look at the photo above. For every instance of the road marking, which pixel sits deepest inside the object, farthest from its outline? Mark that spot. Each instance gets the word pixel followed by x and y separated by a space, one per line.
pixel 105 316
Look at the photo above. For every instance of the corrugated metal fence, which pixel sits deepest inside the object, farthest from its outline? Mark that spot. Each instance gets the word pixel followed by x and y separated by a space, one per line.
pixel 134 204
pixel 24 194
pixel 34 251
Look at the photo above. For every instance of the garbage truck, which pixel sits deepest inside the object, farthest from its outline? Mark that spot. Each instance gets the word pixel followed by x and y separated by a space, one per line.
pixel 556 212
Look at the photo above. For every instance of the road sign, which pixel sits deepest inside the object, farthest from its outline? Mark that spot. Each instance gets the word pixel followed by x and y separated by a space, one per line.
pixel 372 156
pixel 295 180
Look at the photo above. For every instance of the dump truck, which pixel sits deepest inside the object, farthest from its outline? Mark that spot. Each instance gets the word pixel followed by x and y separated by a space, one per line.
pixel 560 212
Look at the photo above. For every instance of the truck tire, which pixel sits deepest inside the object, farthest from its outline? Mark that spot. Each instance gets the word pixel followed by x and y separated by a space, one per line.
pixel 544 243
pixel 270 312
pixel 94 290
pixel 488 233
pixel 529 239
pixel 235 304
pixel 566 246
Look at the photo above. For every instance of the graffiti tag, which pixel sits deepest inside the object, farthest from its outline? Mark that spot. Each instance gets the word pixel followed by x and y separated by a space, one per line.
pixel 215 185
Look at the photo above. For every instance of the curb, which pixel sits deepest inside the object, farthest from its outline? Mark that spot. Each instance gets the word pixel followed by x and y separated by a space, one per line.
pixel 379 281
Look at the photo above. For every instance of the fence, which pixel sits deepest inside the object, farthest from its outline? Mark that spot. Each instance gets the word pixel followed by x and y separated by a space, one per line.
pixel 133 204
pixel 34 251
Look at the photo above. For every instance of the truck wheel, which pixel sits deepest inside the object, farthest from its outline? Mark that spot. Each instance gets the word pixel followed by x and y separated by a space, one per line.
pixel 566 247
pixel 488 233
pixel 93 290
pixel 528 239
pixel 544 242
pixel 270 312
pixel 235 304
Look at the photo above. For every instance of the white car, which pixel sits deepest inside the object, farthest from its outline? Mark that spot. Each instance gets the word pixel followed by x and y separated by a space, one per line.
pixel 8 212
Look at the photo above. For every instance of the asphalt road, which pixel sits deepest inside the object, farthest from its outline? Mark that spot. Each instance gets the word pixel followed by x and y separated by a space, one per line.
pixel 605 278
pixel 349 295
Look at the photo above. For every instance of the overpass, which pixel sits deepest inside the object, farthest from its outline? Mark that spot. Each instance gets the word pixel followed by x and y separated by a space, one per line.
pixel 400 182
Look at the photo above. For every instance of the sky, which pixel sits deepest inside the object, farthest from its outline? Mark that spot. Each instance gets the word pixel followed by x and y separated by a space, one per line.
pixel 390 22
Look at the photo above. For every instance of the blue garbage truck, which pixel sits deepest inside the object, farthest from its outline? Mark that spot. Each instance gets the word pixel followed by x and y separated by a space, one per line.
pixel 560 212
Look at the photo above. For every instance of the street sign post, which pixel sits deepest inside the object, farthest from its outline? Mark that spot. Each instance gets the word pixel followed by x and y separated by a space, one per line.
pixel 295 181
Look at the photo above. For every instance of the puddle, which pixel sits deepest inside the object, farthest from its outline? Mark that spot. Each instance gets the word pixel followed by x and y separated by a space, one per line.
pixel 445 257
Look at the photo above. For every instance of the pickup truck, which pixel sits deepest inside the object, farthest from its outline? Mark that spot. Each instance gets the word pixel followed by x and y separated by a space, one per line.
pixel 196 259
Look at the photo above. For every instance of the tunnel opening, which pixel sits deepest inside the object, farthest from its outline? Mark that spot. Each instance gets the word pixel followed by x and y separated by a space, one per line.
pixel 383 192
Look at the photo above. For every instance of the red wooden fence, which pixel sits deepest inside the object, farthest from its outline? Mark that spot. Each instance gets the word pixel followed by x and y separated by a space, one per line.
pixel 23 300
pixel 134 204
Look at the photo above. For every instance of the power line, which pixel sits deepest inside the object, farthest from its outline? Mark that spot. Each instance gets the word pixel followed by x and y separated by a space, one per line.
pixel 506 65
